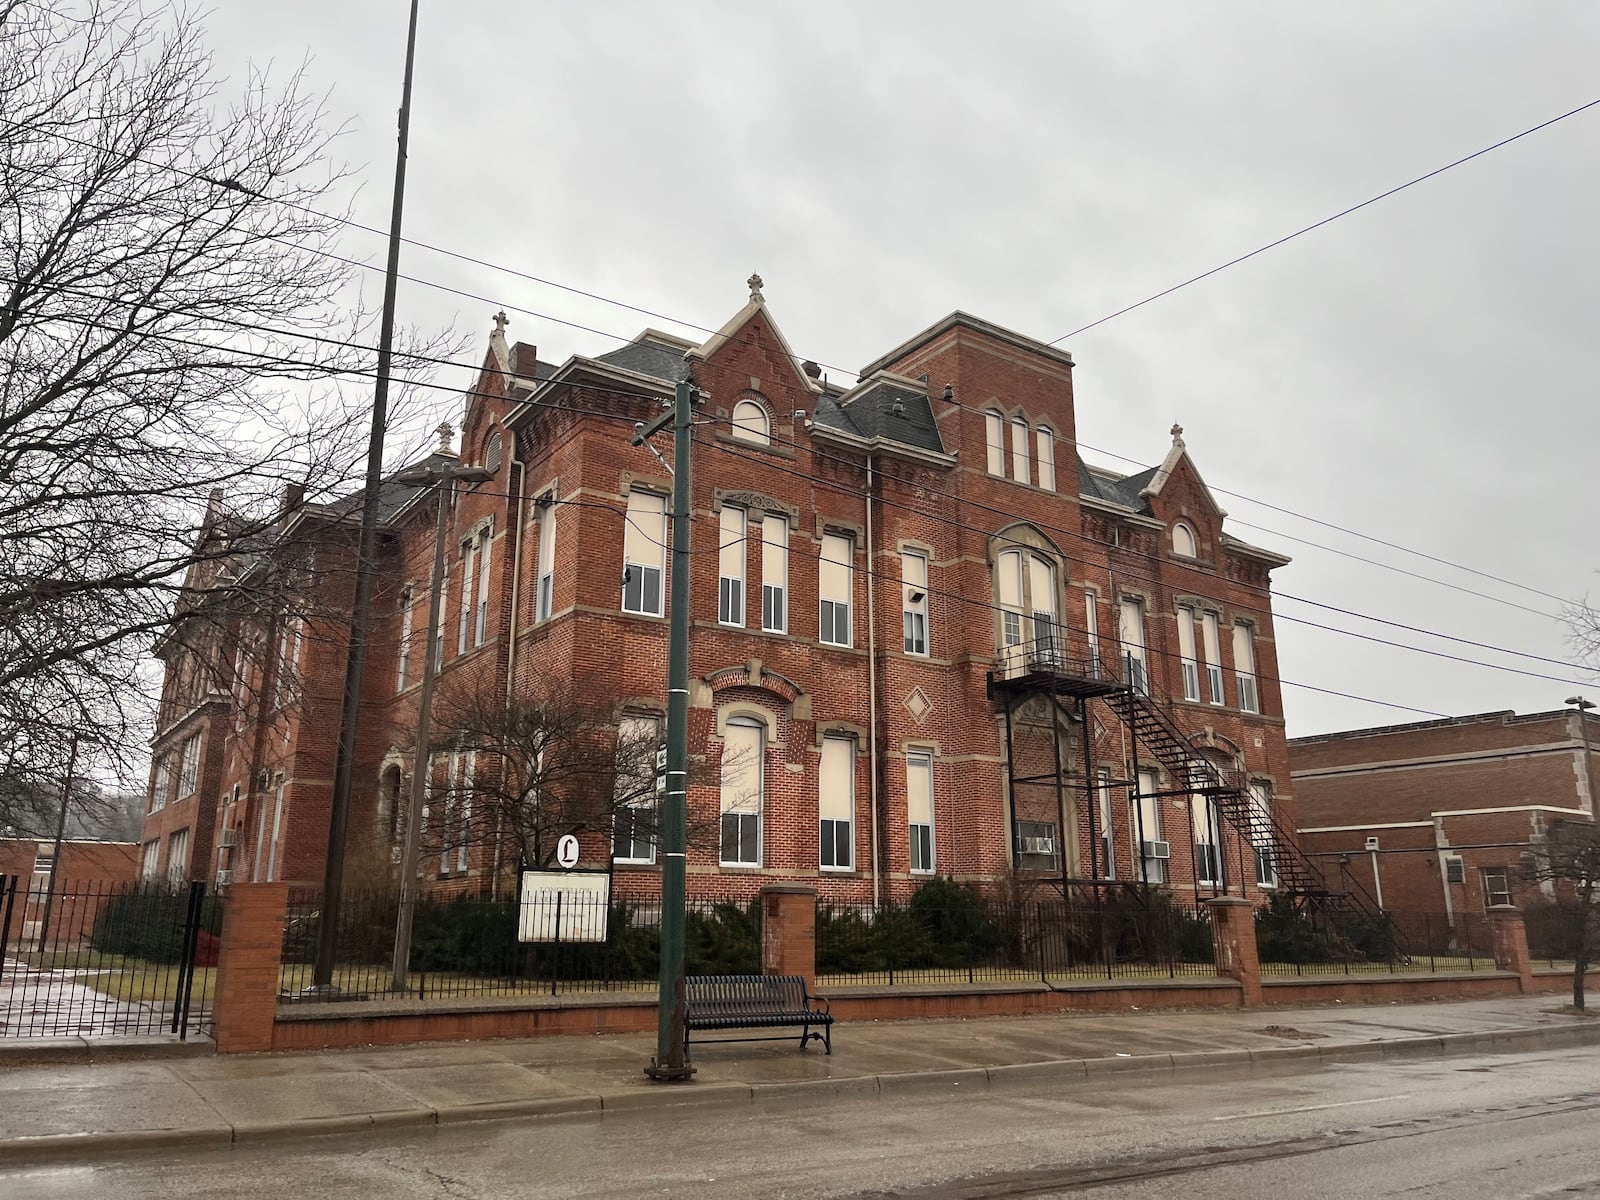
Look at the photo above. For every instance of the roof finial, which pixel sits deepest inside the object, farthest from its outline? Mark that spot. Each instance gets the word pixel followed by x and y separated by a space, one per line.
pixel 500 320
pixel 755 289
pixel 446 434
pixel 1177 435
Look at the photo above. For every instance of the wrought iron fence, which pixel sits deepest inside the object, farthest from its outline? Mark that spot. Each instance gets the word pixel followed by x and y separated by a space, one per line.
pixel 946 933
pixel 1294 941
pixel 472 945
pixel 105 959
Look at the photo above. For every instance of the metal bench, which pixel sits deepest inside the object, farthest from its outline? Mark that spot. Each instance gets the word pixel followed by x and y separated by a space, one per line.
pixel 755 1002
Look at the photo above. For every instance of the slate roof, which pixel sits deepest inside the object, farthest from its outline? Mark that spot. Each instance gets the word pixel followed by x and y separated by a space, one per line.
pixel 1123 492
pixel 870 413
pixel 649 358
pixel 392 496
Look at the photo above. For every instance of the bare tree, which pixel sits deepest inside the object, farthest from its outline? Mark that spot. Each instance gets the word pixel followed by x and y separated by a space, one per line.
pixel 175 324
pixel 1569 858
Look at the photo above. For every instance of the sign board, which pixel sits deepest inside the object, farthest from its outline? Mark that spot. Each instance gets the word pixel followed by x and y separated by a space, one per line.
pixel 561 906
pixel 661 770
pixel 567 851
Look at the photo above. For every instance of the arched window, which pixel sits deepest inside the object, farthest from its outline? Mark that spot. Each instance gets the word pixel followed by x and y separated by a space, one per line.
pixel 994 439
pixel 1045 441
pixel 1025 591
pixel 1019 450
pixel 491 452
pixel 751 423
pixel 1183 543
pixel 743 784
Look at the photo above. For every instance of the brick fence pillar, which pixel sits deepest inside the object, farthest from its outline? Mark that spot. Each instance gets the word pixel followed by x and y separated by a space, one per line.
pixel 248 963
pixel 789 931
pixel 1511 944
pixel 1233 925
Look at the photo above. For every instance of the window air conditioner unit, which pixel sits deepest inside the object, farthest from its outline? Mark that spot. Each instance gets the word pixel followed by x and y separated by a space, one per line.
pixel 1038 845
pixel 227 839
pixel 1156 849
pixel 1455 870
pixel 224 878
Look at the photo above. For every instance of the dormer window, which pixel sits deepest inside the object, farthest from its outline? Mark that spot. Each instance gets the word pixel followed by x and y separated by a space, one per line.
pixel 751 423
pixel 1183 543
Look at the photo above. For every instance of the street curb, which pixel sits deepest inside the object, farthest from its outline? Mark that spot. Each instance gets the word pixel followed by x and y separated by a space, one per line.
pixel 950 1082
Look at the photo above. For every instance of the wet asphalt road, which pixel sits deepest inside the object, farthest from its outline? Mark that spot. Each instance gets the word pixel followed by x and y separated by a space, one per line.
pixel 1465 1128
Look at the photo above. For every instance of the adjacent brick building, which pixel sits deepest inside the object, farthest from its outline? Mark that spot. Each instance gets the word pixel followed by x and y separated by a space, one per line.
pixel 1436 816
pixel 910 601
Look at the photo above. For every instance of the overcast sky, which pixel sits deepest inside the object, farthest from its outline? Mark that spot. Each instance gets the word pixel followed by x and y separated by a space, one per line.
pixel 1423 371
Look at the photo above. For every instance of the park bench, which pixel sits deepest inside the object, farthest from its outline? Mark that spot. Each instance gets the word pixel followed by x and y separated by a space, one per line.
pixel 755 1002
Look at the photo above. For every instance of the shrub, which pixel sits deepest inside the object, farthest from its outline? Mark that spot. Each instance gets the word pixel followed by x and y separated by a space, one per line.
pixel 148 922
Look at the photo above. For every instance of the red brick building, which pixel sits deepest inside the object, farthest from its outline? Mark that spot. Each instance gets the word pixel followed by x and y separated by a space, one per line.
pixel 910 599
pixel 1436 816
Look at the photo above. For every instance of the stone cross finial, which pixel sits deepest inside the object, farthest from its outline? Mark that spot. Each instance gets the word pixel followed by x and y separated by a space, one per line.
pixel 1177 435
pixel 500 320
pixel 446 433
pixel 755 288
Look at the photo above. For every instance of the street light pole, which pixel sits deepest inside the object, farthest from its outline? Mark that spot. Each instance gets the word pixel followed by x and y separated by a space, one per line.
pixel 442 478
pixel 1583 706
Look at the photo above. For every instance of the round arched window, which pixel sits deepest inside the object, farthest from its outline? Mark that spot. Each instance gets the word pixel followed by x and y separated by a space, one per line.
pixel 491 452
pixel 751 423
pixel 1183 543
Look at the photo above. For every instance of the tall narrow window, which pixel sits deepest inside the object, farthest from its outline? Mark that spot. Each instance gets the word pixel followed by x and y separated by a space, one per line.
pixel 1042 603
pixel 1186 654
pixel 407 616
pixel 1108 837
pixel 1019 450
pixel 448 818
pixel 914 600
pixel 480 629
pixel 835 576
pixel 775 573
pixel 1091 628
pixel 1244 668
pixel 1153 852
pixel 634 810
pixel 178 856
pixel 1045 443
pixel 289 643
pixel 438 637
pixel 1207 840
pixel 469 590
pixel 150 859
pixel 1263 833
pixel 644 553
pixel 919 810
pixel 743 761
pixel 836 803
pixel 545 591
pixel 1130 628
pixel 189 766
pixel 464 824
pixel 994 439
pixel 1008 591
pixel 751 423
pixel 274 862
pixel 730 570
pixel 1210 642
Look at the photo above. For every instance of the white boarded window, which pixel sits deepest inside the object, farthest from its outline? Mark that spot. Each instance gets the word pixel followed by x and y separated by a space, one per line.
pixel 480 629
pixel 836 803
pixel 1183 541
pixel 1019 450
pixel 834 579
pixel 919 810
pixel 644 553
pixel 994 438
pixel 1187 656
pixel 730 566
pixel 407 620
pixel 751 424
pixel 547 562
pixel 633 825
pixel 1244 668
pixel 914 600
pixel 775 573
pixel 742 783
pixel 1045 443
pixel 1130 629
pixel 1213 651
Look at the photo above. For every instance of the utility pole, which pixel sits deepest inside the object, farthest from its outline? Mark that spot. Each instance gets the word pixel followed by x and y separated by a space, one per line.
pixel 442 478
pixel 670 1064
pixel 1583 706
pixel 360 610
pixel 61 834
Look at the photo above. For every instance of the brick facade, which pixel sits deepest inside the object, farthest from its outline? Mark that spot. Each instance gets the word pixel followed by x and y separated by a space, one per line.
pixel 902 457
pixel 1463 798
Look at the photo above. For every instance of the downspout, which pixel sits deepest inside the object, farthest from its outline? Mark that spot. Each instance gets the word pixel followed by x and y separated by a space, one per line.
pixel 872 695
pixel 517 531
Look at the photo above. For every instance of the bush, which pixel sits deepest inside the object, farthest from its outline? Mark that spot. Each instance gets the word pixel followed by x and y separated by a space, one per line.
pixel 725 941
pixel 148 923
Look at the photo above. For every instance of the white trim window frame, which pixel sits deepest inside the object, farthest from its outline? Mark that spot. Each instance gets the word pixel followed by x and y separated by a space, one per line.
pixel 923 850
pixel 1187 657
pixel 1244 668
pixel 1262 834
pixel 1019 450
pixel 731 545
pixel 189 769
pixel 469 559
pixel 836 804
pixel 629 843
pixel 464 818
pixel 1045 452
pixel 544 590
pixel 775 573
pixel 743 788
pixel 1211 644
pixel 1147 822
pixel 480 628
pixel 994 441
pixel 1107 831
pixel 835 589
pixel 407 627
pixel 914 613
pixel 1091 630
pixel 644 554
pixel 438 634
pixel 1130 631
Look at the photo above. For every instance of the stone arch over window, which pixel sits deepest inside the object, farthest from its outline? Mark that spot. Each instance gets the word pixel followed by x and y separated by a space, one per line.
pixel 751 420
pixel 1028 572
pixel 1183 541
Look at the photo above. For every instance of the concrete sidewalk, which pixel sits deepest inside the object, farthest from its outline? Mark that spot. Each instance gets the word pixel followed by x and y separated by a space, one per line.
pixel 55 1111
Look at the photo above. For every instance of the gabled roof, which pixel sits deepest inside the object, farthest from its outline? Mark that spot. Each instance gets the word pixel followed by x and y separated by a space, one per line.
pixel 1169 464
pixel 393 497
pixel 757 304
pixel 885 408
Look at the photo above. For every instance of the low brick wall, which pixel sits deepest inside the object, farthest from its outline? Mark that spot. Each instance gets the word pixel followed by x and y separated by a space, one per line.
pixel 336 1027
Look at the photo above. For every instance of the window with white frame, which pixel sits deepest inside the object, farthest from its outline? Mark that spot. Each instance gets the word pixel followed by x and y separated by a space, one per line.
pixel 480 621
pixel 775 573
pixel 1044 439
pixel 1244 668
pixel 1183 543
pixel 1042 604
pixel 1153 851
pixel 438 633
pixel 161 782
pixel 290 638
pixel 407 616
pixel 919 810
pixel 835 579
pixel 1107 830
pixel 994 438
pixel 644 553
pixel 1496 886
pixel 1008 578
pixel 544 594
pixel 730 566
pixel 1036 845
pixel 1211 644
pixel 189 766
pixel 178 856
pixel 633 825
pixel 1019 450
pixel 743 782
pixel 275 846
pixel 1025 593
pixel 914 600
pixel 1091 631
pixel 464 823
pixel 1263 833
pixel 836 804
pixel 1130 629
pixel 1207 840
pixel 469 589
pixel 1187 657
pixel 751 423
pixel 150 859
